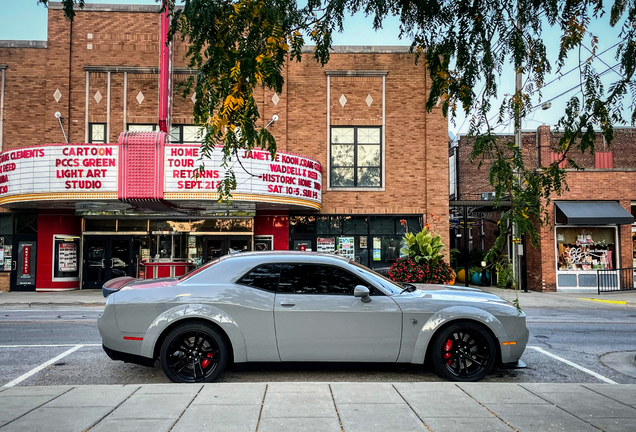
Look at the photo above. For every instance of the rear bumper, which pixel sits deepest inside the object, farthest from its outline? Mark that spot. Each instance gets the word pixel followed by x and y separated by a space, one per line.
pixel 128 358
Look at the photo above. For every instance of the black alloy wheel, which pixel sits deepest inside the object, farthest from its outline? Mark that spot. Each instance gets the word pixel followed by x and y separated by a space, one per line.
pixel 463 351
pixel 193 353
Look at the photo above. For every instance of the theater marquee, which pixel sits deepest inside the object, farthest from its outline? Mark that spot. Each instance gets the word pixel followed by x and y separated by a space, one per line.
pixel 288 178
pixel 76 172
pixel 51 170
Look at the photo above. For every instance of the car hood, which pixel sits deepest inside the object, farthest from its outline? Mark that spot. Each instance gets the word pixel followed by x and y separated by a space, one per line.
pixel 451 293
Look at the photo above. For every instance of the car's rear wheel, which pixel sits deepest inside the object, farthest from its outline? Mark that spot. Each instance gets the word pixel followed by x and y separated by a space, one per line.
pixel 193 352
pixel 463 351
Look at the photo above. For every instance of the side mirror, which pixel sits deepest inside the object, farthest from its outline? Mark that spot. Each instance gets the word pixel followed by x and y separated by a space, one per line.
pixel 362 292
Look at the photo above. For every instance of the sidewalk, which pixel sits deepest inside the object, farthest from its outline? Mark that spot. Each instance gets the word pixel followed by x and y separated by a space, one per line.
pixel 62 298
pixel 534 299
pixel 530 299
pixel 321 407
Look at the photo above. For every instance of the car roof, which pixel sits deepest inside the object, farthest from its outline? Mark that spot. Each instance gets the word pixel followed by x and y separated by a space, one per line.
pixel 278 255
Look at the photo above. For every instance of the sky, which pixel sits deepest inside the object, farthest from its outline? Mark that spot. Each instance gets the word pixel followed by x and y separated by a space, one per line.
pixel 26 20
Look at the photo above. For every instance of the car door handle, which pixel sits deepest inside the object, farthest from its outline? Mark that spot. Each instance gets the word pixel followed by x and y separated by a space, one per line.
pixel 287 304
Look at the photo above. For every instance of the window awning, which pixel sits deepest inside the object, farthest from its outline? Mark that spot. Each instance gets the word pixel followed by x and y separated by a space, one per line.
pixel 591 213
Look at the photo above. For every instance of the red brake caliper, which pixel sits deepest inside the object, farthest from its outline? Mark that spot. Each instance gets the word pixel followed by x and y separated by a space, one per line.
pixel 206 362
pixel 447 347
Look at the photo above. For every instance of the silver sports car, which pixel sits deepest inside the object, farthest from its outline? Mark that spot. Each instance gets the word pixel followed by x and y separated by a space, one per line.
pixel 301 306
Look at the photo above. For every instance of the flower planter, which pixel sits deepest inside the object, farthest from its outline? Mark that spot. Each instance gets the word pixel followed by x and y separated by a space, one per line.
pixel 476 278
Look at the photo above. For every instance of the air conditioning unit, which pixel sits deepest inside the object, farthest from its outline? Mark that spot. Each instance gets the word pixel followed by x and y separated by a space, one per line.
pixel 487 196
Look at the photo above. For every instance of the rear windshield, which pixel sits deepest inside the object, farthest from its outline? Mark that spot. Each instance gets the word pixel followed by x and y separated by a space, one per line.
pixel 198 270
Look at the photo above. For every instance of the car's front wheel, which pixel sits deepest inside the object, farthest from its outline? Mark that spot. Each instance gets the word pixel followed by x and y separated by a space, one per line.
pixel 463 351
pixel 193 352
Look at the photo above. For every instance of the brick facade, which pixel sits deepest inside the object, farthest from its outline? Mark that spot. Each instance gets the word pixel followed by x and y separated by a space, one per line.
pixel 590 184
pixel 106 61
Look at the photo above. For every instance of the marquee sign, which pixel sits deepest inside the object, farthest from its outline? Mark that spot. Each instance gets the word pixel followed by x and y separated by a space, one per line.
pixel 289 178
pixel 87 171
pixel 55 169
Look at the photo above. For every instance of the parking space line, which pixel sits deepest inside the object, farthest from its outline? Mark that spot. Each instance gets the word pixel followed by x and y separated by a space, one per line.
pixel 48 346
pixel 574 365
pixel 42 366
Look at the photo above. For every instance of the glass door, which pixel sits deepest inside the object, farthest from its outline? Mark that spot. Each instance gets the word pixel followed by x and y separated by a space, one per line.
pixel 95 258
pixel 105 258
pixel 216 247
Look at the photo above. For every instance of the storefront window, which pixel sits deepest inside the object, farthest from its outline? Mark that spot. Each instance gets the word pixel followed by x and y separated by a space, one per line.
pixel 6 224
pixel 355 225
pixel 373 241
pixel 385 251
pixel 168 246
pixel 222 225
pixel 26 224
pixel 132 225
pixel 382 225
pixel 6 248
pixel 586 248
pixel 100 225
pixel 302 224
pixel 329 225
pixel 66 259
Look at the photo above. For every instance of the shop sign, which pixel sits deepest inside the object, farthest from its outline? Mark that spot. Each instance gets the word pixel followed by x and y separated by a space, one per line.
pixel 26 260
pixel 286 176
pixel 346 247
pixel 59 169
pixel 326 245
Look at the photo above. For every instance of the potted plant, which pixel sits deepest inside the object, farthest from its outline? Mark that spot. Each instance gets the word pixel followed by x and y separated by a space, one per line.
pixel 422 260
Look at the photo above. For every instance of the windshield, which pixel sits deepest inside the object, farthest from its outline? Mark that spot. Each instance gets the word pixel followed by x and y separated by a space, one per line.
pixel 385 282
pixel 198 270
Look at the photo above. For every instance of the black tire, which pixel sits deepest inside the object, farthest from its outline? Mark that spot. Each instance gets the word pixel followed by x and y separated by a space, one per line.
pixel 463 351
pixel 193 353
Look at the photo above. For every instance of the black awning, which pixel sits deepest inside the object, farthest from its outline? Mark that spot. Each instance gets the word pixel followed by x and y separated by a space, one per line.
pixel 591 213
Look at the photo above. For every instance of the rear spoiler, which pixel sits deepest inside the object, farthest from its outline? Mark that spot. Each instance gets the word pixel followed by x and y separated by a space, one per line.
pixel 116 284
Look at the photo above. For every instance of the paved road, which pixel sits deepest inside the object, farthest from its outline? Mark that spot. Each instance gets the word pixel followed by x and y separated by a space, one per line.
pixel 31 337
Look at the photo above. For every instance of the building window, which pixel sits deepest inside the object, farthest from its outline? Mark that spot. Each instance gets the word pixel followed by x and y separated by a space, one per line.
pixel 356 157
pixel 586 248
pixel 142 127
pixel 186 134
pixel 97 133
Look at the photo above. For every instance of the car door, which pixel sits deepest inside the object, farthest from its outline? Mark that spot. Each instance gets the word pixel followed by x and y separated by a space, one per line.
pixel 317 318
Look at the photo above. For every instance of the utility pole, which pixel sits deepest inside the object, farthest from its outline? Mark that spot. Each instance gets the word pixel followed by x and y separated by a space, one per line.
pixel 516 261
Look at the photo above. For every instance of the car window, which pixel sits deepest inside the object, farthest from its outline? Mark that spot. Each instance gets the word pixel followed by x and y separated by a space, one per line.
pixel 391 286
pixel 319 279
pixel 263 277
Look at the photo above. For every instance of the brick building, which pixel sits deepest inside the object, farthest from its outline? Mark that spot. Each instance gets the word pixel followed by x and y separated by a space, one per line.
pixel 591 224
pixel 360 161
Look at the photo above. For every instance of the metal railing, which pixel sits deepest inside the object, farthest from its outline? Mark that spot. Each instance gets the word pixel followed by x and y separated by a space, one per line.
pixel 621 279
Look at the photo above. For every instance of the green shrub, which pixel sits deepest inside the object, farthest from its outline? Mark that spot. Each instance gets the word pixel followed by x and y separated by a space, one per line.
pixel 423 247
